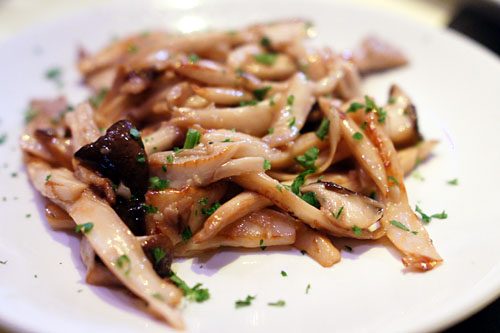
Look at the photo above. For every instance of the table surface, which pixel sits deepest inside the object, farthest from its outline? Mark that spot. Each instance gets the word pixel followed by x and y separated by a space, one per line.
pixel 19 15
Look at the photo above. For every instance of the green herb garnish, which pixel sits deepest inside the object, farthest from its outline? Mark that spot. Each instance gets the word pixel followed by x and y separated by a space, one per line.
pixel 192 138
pixel 158 254
pixel 310 198
pixel 193 294
pixel 246 302
pixel 122 261
pixel 135 134
pixel 453 181
pixel 309 158
pixel 338 213
pixel 357 136
pixel 290 100
pixel 323 129
pixel 394 180
pixel 357 230
pixel 158 184
pixel 187 234
pixel 267 165
pixel 193 58
pixel 266 58
pixel 212 209
pixel 280 303
pixel 354 107
pixel 260 93
pixel 150 209
pixel 84 228
pixel 265 41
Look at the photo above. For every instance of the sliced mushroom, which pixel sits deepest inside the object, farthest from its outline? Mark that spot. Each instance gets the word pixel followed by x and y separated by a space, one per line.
pixel 118 156
pixel 239 206
pixel 403 228
pixel 109 237
pixel 179 209
pixel 289 202
pixel 82 125
pixel 374 55
pixel 97 273
pixel 57 218
pixel 401 121
pixel 203 165
pixel 346 208
pixel 316 245
pixel 253 119
pixel 265 227
pixel 411 157
pixel 294 108
pixel 222 95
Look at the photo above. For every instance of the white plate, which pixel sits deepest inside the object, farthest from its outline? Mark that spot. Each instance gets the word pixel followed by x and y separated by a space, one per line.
pixel 455 85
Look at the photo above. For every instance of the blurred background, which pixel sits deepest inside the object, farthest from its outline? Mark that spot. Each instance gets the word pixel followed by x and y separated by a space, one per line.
pixel 476 19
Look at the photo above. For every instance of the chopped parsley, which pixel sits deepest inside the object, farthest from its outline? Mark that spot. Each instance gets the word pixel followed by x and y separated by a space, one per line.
pixel 203 201
pixel 291 122
pixel 227 140
pixel 279 187
pixel 3 138
pixel 357 230
pixel 30 114
pixel 170 159
pixel 163 168
pixel 363 125
pixel 192 138
pixel 187 234
pixel 84 228
pixel 303 252
pixel 158 184
pixel 132 49
pixel 338 213
pixel 310 198
pixel 307 160
pixel 135 134
pixel 426 218
pixel 261 93
pixel 394 180
pixel 251 103
pixel 402 226
pixel 266 58
pixel 299 181
pixel 158 254
pixel 267 165
pixel 123 261
pixel 392 100
pixel 246 302
pixel 283 273
pixel 279 303
pixel 323 129
pixel 270 130
pixel 193 58
pixel 54 74
pixel 48 177
pixel 150 209
pixel 193 294
pixel 357 136
pixel 290 100
pixel 141 158
pixel 348 248
pixel 3 262
pixel 355 107
pixel 212 209
pixel 265 41
pixel 97 99
pixel 158 296
pixel 261 244
pixel 453 181
pixel 271 101
pixel 307 288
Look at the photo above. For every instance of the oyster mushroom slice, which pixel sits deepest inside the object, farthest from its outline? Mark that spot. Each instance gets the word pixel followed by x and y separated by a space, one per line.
pixel 203 165
pixel 110 238
pixel 344 207
pixel 317 245
pixel 403 228
pixel 401 121
pixel 365 153
pixel 234 209
pixel 294 106
pixel 289 202
pixel 254 120
pixel 82 125
pixel 265 227
pixel 374 55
